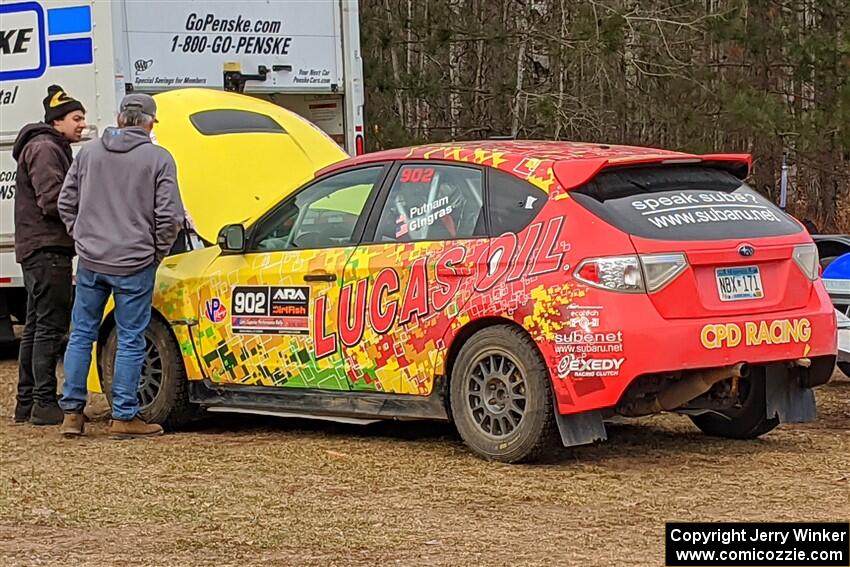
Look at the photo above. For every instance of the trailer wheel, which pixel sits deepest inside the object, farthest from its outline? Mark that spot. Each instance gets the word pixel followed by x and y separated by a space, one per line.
pixel 163 388
pixel 745 422
pixel 501 400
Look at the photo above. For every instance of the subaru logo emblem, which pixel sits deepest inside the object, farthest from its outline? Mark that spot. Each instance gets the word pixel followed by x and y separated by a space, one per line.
pixel 746 250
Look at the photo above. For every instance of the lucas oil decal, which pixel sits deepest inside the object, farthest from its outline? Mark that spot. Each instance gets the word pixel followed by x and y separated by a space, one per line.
pixel 270 310
pixel 386 301
pixel 779 332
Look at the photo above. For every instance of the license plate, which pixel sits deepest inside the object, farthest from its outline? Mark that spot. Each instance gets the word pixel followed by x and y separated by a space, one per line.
pixel 735 284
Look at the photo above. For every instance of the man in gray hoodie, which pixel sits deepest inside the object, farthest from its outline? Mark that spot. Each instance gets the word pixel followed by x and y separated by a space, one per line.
pixel 121 205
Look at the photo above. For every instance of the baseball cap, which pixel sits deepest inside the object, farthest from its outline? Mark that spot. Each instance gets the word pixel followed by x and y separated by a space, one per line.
pixel 139 101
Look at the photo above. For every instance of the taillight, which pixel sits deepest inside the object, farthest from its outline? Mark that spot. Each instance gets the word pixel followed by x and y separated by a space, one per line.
pixel 661 269
pixel 631 274
pixel 617 273
pixel 807 259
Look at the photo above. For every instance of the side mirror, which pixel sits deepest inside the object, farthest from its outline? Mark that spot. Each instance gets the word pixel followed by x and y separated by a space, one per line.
pixel 231 238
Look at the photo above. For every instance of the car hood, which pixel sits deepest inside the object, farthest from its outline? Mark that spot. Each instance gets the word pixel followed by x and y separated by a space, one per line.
pixel 236 155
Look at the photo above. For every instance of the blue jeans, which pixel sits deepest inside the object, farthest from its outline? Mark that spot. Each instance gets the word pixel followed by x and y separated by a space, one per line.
pixel 132 295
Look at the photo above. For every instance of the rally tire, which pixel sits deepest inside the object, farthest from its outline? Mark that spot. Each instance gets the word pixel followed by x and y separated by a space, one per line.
pixel 535 433
pixel 170 405
pixel 844 367
pixel 746 422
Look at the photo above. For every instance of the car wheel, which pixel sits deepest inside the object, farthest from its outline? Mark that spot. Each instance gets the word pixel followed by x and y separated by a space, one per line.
pixel 500 396
pixel 845 368
pixel 163 388
pixel 745 422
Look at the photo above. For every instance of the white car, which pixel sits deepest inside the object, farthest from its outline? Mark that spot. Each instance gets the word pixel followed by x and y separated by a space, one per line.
pixel 843 342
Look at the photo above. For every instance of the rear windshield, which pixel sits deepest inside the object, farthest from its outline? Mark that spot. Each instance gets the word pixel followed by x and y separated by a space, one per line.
pixel 682 203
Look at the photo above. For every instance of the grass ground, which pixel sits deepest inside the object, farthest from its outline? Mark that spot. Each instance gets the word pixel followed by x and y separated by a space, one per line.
pixel 237 491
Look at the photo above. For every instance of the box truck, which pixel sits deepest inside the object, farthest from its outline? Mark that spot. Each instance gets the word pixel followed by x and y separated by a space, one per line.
pixel 303 55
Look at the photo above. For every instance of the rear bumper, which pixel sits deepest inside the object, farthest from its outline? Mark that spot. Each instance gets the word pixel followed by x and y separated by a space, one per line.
pixel 650 344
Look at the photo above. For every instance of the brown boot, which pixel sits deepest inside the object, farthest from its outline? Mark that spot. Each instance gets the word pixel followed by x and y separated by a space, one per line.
pixel 72 425
pixel 133 428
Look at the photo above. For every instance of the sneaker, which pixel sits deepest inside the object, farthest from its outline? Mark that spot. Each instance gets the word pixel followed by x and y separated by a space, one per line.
pixel 23 411
pixel 46 414
pixel 72 425
pixel 134 428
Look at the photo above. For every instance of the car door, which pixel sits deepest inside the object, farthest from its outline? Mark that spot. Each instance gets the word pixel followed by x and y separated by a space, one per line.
pixel 405 285
pixel 259 308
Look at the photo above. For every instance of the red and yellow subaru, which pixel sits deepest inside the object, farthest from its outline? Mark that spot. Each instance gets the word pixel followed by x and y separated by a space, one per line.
pixel 525 291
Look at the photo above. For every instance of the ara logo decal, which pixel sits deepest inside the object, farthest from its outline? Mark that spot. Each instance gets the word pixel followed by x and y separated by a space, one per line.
pixel 290 294
pixel 215 310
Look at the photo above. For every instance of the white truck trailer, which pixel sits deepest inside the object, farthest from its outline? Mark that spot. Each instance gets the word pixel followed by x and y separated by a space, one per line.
pixel 303 55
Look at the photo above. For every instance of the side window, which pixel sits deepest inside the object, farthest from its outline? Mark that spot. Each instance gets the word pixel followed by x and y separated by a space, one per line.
pixel 320 216
pixel 433 202
pixel 513 203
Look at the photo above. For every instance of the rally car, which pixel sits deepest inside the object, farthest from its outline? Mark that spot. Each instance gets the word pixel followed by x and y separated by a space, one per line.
pixel 525 291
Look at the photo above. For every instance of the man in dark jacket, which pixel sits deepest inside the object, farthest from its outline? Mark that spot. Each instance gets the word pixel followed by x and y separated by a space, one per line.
pixel 121 204
pixel 44 250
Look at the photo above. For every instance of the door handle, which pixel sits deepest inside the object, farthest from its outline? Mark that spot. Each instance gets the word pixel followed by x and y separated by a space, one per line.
pixel 319 277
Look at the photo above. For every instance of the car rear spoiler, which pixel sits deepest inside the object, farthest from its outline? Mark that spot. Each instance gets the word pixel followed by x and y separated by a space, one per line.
pixel 575 173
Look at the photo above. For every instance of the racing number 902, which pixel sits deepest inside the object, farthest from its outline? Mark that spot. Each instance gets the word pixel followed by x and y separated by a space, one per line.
pixel 417 174
pixel 249 302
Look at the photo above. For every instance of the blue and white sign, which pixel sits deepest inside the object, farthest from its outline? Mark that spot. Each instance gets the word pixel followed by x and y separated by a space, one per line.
pixel 33 39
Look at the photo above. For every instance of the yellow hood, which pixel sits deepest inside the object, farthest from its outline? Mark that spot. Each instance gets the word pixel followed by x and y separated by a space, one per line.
pixel 245 161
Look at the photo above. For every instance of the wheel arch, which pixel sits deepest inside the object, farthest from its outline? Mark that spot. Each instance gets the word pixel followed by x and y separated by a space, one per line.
pixel 170 406
pixel 462 336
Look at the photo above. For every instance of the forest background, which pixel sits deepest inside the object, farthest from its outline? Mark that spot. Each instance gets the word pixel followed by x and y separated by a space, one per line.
pixel 766 77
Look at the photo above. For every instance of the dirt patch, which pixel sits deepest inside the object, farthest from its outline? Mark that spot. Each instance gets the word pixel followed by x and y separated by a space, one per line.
pixel 236 491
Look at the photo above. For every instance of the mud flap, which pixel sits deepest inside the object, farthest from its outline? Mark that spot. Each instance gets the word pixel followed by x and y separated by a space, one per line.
pixel 580 428
pixel 785 398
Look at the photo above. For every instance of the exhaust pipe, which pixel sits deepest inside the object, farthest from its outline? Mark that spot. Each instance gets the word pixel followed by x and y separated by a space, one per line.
pixel 683 391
